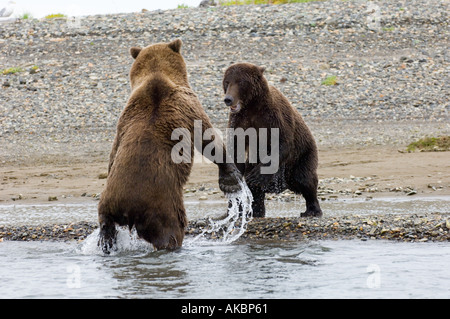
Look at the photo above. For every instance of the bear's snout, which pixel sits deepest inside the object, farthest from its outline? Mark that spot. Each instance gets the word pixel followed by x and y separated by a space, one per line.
pixel 228 100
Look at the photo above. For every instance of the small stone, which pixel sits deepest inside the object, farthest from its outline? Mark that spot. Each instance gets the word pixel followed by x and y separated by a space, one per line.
pixel 34 70
pixel 102 175
pixel 203 198
pixel 201 223
pixel 52 198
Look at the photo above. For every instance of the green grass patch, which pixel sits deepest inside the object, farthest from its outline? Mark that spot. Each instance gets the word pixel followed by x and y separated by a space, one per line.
pixel 26 16
pixel 55 15
pixel 430 144
pixel 330 80
pixel 182 6
pixel 388 29
pixel 12 70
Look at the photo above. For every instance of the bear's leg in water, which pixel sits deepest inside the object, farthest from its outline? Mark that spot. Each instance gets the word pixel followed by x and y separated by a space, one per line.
pixel 108 235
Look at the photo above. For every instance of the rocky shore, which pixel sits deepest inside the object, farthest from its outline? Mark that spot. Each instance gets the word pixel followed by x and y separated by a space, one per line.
pixel 408 227
pixel 363 74
pixel 388 61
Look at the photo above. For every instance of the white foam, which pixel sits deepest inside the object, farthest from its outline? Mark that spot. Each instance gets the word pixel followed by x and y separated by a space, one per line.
pixel 227 230
pixel 127 242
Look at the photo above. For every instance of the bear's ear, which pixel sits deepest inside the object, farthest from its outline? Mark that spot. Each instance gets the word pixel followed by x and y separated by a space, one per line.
pixel 175 45
pixel 134 51
pixel 262 69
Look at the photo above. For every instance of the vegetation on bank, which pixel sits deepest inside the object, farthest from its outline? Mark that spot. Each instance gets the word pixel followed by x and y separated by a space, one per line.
pixel 430 144
pixel 12 70
pixel 26 16
pixel 55 15
pixel 330 80
pixel 18 69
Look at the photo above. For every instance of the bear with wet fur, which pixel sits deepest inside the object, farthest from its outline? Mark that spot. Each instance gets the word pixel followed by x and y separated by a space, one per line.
pixel 255 104
pixel 144 187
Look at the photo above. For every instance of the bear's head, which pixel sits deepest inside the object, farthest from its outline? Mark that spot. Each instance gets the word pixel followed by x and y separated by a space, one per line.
pixel 243 85
pixel 164 58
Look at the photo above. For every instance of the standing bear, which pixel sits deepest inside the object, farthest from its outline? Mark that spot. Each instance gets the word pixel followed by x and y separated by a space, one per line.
pixel 145 185
pixel 254 104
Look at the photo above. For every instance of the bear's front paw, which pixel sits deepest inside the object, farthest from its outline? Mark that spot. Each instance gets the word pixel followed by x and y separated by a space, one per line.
pixel 229 181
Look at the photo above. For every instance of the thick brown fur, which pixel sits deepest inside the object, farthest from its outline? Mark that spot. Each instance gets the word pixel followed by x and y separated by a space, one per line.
pixel 256 104
pixel 144 186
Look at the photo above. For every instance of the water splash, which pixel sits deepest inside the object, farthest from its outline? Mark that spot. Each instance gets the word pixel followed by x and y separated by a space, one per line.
pixel 227 230
pixel 232 227
pixel 127 242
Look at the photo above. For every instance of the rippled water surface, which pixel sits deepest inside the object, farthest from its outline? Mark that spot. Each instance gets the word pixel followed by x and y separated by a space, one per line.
pixel 208 269
pixel 325 269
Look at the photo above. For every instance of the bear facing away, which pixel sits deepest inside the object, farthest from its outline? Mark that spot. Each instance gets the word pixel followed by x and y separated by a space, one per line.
pixel 256 104
pixel 144 187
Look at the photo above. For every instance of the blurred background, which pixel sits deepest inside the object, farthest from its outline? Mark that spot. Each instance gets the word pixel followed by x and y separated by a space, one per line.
pixel 39 9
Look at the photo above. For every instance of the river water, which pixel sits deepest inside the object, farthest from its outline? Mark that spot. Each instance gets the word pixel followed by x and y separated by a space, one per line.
pixel 53 212
pixel 208 269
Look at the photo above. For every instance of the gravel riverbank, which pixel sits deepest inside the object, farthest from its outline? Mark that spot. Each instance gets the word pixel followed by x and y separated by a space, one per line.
pixel 406 227
pixel 390 60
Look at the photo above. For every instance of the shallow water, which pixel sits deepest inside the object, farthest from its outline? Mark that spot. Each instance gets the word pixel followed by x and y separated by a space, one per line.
pixel 26 214
pixel 323 269
pixel 207 269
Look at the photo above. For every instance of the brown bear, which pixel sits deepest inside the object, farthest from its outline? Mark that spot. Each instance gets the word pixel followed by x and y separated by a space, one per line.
pixel 144 187
pixel 256 104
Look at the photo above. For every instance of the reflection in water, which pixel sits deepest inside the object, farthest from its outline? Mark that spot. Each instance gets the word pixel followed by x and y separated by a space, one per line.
pixel 323 269
pixel 219 271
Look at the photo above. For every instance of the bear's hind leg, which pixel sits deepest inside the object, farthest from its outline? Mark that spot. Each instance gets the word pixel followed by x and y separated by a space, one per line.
pixel 164 229
pixel 258 207
pixel 107 236
pixel 162 238
pixel 307 186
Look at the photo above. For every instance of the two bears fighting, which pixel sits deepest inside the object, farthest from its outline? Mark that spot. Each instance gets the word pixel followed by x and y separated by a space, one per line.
pixel 145 187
